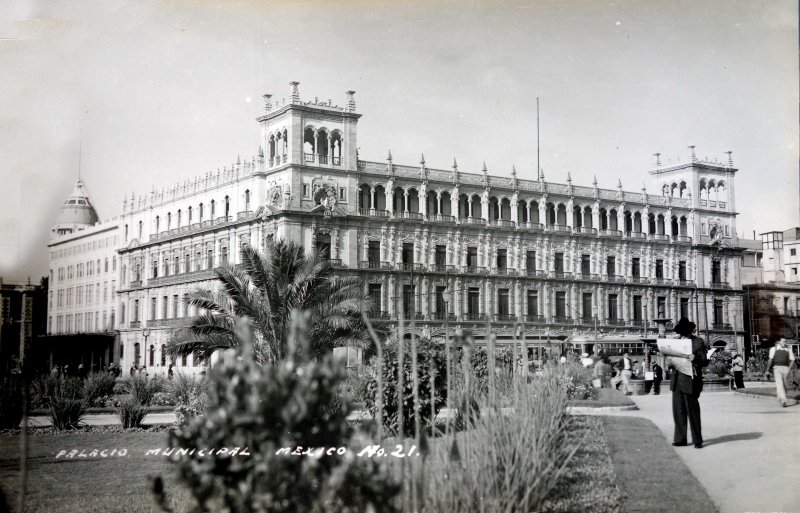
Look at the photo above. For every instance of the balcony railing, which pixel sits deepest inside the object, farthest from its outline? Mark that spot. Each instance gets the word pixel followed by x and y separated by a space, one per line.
pixel 533 226
pixel 684 239
pixel 471 269
pixel 719 285
pixel 336 263
pixel 472 316
pixel 610 233
pixel 637 322
pixel 223 220
pixel 410 266
pixel 589 276
pixel 503 223
pixel 506 317
pixel 721 326
pixel 639 279
pixel 535 318
pixel 308 157
pixel 440 218
pixel 561 228
pixel 616 278
pixel 562 274
pixel 583 230
pixel 636 235
pixel 562 319
pixel 168 323
pixel 533 272
pixel 440 316
pixel 443 268
pixel 685 283
pixel 337 161
pixel 472 220
pixel 373 264
pixel 614 322
pixel 135 324
pixel 409 215
pixel 204 274
pixel 504 271
pixel 659 236
pixel 135 284
pixel 323 159
pixel 245 214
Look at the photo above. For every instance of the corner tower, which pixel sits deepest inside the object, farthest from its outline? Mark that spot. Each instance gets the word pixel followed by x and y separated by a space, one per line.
pixel 296 132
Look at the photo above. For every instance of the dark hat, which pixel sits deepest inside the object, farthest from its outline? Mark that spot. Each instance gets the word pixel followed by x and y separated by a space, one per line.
pixel 685 327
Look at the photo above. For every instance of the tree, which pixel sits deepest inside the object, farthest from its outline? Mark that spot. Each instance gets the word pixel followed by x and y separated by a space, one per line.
pixel 266 289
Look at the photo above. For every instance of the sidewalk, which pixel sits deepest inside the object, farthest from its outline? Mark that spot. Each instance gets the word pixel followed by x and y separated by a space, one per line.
pixel 752 448
pixel 106 419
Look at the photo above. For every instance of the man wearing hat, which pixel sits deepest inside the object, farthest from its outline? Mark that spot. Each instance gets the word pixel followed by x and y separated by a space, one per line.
pixel 686 389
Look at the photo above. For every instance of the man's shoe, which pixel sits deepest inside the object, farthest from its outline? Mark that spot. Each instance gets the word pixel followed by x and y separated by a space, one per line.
pixel 698 446
pixel 784 404
pixel 679 444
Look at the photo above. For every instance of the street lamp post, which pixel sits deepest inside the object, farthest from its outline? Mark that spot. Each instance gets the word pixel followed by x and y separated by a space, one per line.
pixel 446 299
pixel 145 334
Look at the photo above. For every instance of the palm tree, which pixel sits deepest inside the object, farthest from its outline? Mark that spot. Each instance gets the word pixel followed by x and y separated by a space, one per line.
pixel 267 289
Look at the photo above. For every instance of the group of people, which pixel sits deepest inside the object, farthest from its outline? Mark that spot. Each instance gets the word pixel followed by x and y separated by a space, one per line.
pixel 620 374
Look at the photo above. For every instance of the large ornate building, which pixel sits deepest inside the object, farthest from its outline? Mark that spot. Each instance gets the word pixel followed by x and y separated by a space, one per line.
pixel 551 259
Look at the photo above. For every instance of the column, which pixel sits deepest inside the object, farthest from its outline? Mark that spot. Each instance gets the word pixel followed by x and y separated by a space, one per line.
pixel 405 202
pixel 316 147
pixel 372 198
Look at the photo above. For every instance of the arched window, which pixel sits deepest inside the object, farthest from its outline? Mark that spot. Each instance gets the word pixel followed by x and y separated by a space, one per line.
pixel 114 264
pixel 105 266
pixel 247 199
pixel 227 206
pixel 179 219
pixel 152 355
pixel 122 313
pixel 163 355
pixel 137 353
pixel 184 360
pixel 158 224
pixel 140 229
pixel 169 220
pixel 200 213
pixel 213 205
pixel 189 221
pixel 126 233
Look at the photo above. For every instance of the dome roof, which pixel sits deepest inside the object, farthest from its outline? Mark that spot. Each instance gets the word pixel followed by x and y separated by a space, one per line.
pixel 77 211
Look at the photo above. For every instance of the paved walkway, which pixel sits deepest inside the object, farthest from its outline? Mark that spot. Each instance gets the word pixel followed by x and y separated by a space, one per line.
pixel 751 454
pixel 106 419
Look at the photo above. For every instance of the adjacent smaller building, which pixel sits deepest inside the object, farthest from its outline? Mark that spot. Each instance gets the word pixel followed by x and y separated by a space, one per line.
pixel 22 319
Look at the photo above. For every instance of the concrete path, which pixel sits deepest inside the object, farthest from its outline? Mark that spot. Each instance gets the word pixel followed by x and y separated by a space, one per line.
pixel 752 449
pixel 106 419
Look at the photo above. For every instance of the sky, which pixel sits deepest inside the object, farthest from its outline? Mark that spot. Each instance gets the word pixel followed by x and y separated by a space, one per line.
pixel 142 95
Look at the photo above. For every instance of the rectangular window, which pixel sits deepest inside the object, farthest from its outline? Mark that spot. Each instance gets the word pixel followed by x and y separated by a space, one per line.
pixel 473 302
pixel 374 254
pixel 561 305
pixel 152 308
pixel 342 194
pixel 441 306
pixel 682 270
pixel 533 304
pixel 375 296
pixel 408 301
pixel 530 262
pixel 611 266
pixel 635 267
pixel 210 259
pixel 306 189
pixel 637 308
pixel 472 258
pixel 187 263
pixel 659 269
pixel 174 306
pixel 613 309
pixel 440 257
pixel 792 252
pixel 587 310
pixel 718 311
pixel 558 263
pixel 135 310
pixel 223 256
pixel 198 261
pixel 503 308
pixel 716 272
pixel 502 259
pixel 164 306
pixel 586 265
pixel 408 253
pixel 661 307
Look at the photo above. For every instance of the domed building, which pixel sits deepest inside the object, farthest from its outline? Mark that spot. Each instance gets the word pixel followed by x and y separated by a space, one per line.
pixel 76 213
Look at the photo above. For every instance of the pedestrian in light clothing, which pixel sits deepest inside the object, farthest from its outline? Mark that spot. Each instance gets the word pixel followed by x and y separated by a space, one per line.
pixel 737 367
pixel 686 389
pixel 626 374
pixel 781 359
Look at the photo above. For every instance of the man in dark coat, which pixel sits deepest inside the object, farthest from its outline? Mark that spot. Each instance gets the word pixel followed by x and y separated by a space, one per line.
pixel 686 389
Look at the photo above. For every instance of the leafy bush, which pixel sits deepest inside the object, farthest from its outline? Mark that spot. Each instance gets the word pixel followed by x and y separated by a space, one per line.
pixel 98 384
pixel 162 399
pixel 189 394
pixel 65 399
pixel 575 379
pixel 142 388
pixel 264 409
pixel 757 364
pixel 428 354
pixel 508 461
pixel 720 363
pixel 131 413
pixel 10 401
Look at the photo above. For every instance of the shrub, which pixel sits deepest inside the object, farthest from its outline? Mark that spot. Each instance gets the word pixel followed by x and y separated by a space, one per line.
pixel 757 364
pixel 720 363
pixel 575 379
pixel 98 384
pixel 427 354
pixel 183 387
pixel 10 401
pixel 265 409
pixel 131 413
pixel 142 388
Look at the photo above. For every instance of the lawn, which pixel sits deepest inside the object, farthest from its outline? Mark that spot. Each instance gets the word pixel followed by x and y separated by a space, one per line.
pixel 89 484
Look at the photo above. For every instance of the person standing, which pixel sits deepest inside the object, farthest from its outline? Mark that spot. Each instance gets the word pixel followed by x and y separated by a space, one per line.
pixel 737 367
pixel 781 359
pixel 686 389
pixel 602 371
pixel 626 374
pixel 658 375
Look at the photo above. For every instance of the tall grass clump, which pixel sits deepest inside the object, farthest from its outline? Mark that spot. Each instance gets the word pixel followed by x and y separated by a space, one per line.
pixel 131 413
pixel 574 378
pixel 190 394
pixel 509 460
pixel 142 388
pixel 98 385
pixel 65 399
